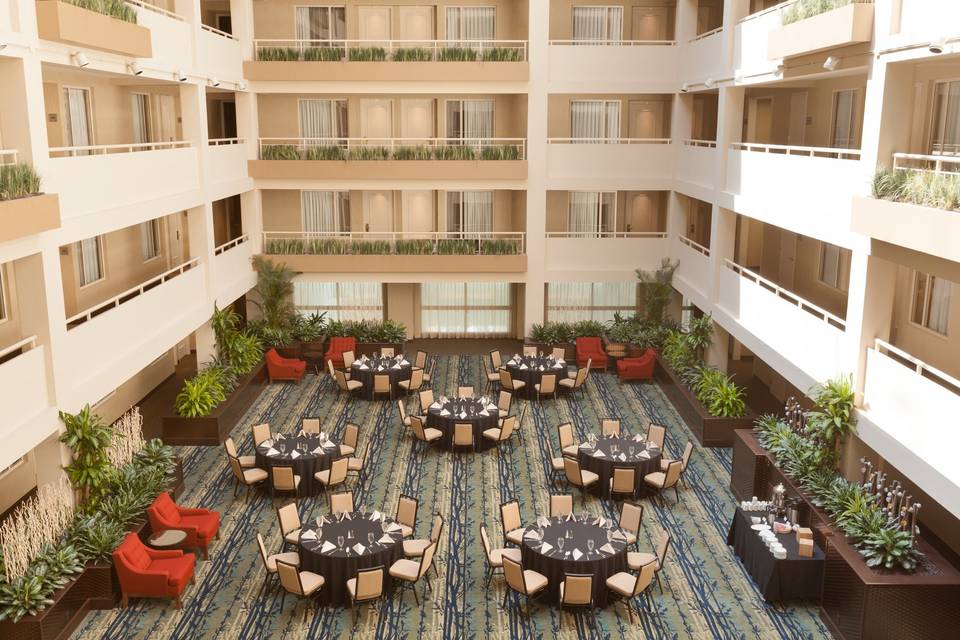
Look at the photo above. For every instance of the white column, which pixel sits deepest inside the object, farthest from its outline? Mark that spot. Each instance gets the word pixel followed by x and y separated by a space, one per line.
pixel 241 18
pixel 247 121
pixel 685 26
pixel 717 353
pixel 251 217
pixel 21 103
pixel 729 127
pixel 870 303
pixel 723 225
pixel 205 343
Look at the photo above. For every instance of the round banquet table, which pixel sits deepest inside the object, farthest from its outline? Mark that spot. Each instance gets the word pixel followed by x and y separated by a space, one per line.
pixel 615 452
pixel 531 369
pixel 473 408
pixel 398 368
pixel 307 453
pixel 608 557
pixel 321 551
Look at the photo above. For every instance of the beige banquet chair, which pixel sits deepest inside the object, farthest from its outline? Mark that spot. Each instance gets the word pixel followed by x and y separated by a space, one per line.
pixel 420 362
pixel 637 560
pixel 568 446
pixel 661 480
pixel 348 359
pixel 495 360
pixel 345 384
pixel 561 505
pixel 261 433
pixel 404 418
pixel 629 586
pixel 333 371
pixel 284 480
pixel 387 352
pixel 341 502
pixel 495 556
pixel 492 378
pixel 559 353
pixel 623 482
pixel 530 350
pixel 351 434
pixel 358 466
pixel 310 425
pixel 367 586
pixel 576 591
pixel 577 476
pixel 424 434
pixel 332 477
pixel 610 426
pixel 245 461
pixel 270 561
pixel 247 477
pixel 507 382
pixel 503 432
pixel 415 383
pixel 656 434
pixel 407 514
pixel 300 583
pixel 289 519
pixel 381 385
pixel 526 582
pixel 684 461
pixel 504 400
pixel 547 386
pixel 465 392
pixel 426 399
pixel 409 572
pixel 631 516
pixel 511 522
pixel 415 548
pixel 576 382
pixel 463 436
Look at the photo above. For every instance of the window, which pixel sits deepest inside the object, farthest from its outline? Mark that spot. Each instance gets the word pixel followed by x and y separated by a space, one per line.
pixel 597 24
pixel 76 104
pixel 931 302
pixel 321 23
pixel 473 309
pixel 150 239
pixel 140 108
pixel 470 211
pixel 844 111
pixel 325 211
pixel 323 119
pixel 471 23
pixel 470 119
pixel 591 213
pixel 834 262
pixel 340 300
pixel 575 301
pixel 945 126
pixel 90 260
pixel 595 120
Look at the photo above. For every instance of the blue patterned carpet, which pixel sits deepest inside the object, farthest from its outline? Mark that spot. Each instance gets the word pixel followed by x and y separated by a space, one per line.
pixel 707 593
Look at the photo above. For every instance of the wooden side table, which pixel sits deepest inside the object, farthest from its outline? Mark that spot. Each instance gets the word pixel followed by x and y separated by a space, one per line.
pixel 166 538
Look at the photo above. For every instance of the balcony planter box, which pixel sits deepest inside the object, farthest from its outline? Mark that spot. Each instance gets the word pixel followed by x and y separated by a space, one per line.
pixel 838 28
pixel 388 170
pixel 63 22
pixel 26 216
pixel 402 263
pixel 932 231
pixel 710 431
pixel 386 71
pixel 213 429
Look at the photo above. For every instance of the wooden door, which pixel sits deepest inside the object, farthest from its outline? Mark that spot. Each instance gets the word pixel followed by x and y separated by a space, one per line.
pixel 378 211
pixel 416 118
pixel 418 215
pixel 375 25
pixel 645 119
pixel 649 23
pixel 376 119
pixel 416 23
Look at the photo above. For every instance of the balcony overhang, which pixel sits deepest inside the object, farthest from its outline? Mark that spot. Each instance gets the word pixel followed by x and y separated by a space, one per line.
pixel 387 71
pixel 402 263
pixel 923 229
pixel 388 169
pixel 22 217
pixel 847 25
pixel 63 22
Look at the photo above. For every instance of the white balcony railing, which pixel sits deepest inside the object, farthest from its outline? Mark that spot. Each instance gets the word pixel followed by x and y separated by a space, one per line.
pixel 8 156
pixel 333 50
pixel 392 148
pixel 934 163
pixel 218 32
pixel 707 144
pixel 605 234
pixel 226 246
pixel 615 43
pixel 23 345
pixel 130 294
pixel 919 367
pixel 787 295
pixel 154 8
pixel 106 149
pixel 609 140
pixel 394 242
pixel 699 248
pixel 810 152
pixel 219 142
pixel 706 34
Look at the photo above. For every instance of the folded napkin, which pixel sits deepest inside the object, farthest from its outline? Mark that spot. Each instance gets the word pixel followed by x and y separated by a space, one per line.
pixel 531 535
pixel 309 534
pixel 385 539
pixel 327 547
pixel 359 548
pixel 637 438
pixel 435 405
pixel 645 454
pixel 542 367
pixel 278 436
pixel 363 366
pixel 511 362
pixel 396 366
pixel 558 365
pixel 393 526
pixel 376 515
pixel 484 413
pixel 272 452
pixel 267 443
pixel 585 445
pixel 607 548
pixel 444 412
pixel 545 547
pixel 523 366
pixel 404 362
pixel 576 554
pixel 379 367
pixel 618 535
pixel 323 436
pixel 622 456
pixel 322 520
pixel 492 407
pixel 294 454
pixel 463 414
pixel 561 362
pixel 599 454
pixel 318 449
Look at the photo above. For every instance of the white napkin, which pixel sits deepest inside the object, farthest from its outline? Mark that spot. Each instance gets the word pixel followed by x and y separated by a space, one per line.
pixel 637 438
pixel 531 535
pixel 623 456
pixel 404 362
pixel 607 548
pixel 363 366
pixel 576 554
pixel 484 413
pixel 645 454
pixel 375 516
pixel 561 362
pixel 545 547
pixel 541 367
pixel 323 436
pixel 435 405
pixel 267 443
pixel 393 527
pixel 463 414
pixel 492 407
pixel 512 362
pixel 294 454
pixel 396 366
pixel 585 445
pixel 327 547
pixel 599 454
pixel 379 367
pixel 359 548
pixel 385 539
pixel 618 535
pixel 309 534
pixel 523 366
pixel 558 365
pixel 318 449
pixel 444 412
pixel 272 452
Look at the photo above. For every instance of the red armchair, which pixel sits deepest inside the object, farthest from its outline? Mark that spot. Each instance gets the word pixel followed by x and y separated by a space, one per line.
pixel 591 348
pixel 280 368
pixel 337 346
pixel 200 525
pixel 151 573
pixel 637 368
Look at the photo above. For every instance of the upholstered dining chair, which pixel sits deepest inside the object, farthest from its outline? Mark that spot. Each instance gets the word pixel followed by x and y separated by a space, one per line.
pixel 333 372
pixel 631 516
pixel 507 382
pixel 345 384
pixel 245 461
pixel 387 352
pixel 310 425
pixel 576 591
pixel 463 435
pixel 503 432
pixel 495 360
pixel 576 382
pixel 415 548
pixel 530 350
pixel 560 504
pixel 465 392
pixel 424 434
pixel 409 572
pixel 661 480
pixel 610 426
pixel 504 400
pixel 556 468
pixel 348 359
pixel 568 446
pixel 351 434
pixel 426 399
pixel 623 482
pixel 341 502
pixel 407 514
pixel 656 434
pixel 300 583
pixel 525 582
pixel 247 477
pixel 332 477
pixel 628 586
pixel 523 414
pixel 511 522
pixel 559 353
pixel 404 418
pixel 367 586
pixel 684 460
pixel 270 561
pixel 381 385
pixel 637 560
pixel 492 378
pixel 494 556
pixel 577 476
pixel 289 519
pixel 261 433
pixel 284 480
pixel 415 383
pixel 358 466
pixel 547 385
pixel 420 362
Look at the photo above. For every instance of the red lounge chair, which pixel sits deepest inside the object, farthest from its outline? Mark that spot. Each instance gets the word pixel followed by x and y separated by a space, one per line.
pixel 200 525
pixel 591 348
pixel 637 368
pixel 280 368
pixel 151 573
pixel 336 349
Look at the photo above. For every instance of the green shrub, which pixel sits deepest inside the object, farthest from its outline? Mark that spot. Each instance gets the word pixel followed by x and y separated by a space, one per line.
pixel 412 54
pixel 200 394
pixel 369 153
pixel 368 54
pixel 925 188
pixel 500 152
pixel 369 331
pixel 500 246
pixel 279 152
pixel 88 438
pixel 309 327
pixel 325 152
pixel 420 152
pixel 502 54
pixel 278 54
pixel 323 54
pixel 456 246
pixel 718 393
pixel 421 247
pixel 457 54
pixel 455 152
pixel 370 247
pixel 114 8
pixel 18 180
pixel 803 9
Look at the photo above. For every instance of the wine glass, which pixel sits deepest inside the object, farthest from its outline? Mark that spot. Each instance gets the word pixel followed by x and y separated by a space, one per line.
pixel 590 545
pixel 383 525
pixel 632 450
pixel 560 542
pixel 609 535
pixel 370 538
pixel 340 541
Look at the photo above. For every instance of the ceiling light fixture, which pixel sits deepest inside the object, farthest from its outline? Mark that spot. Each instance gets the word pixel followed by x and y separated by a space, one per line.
pixel 778 72
pixel 242 85
pixel 937 46
pixel 214 82
pixel 831 63
pixel 684 87
pixel 81 59
pixel 135 69
pixel 181 76
pixel 708 83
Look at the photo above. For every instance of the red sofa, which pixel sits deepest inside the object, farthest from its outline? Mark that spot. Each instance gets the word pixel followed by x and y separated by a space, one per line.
pixel 280 368
pixel 337 346
pixel 591 348
pixel 637 368
pixel 150 573
pixel 200 525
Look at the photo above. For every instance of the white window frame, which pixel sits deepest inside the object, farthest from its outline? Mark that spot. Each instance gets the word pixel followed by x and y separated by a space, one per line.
pixel 333 117
pixel 65 113
pixel 458 195
pixel 334 310
pixel 592 306
pixel 841 284
pixel 606 120
pixel 79 264
pixel 461 101
pixel 459 9
pixel 342 204
pixel 466 308
pixel 157 248
pixel 927 300
pixel 598 231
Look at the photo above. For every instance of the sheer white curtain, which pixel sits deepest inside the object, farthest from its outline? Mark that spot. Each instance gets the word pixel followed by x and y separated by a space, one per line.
pixel 582 212
pixel 88 253
pixel 140 109
pixel 322 118
pixel 478 119
pixel 597 24
pixel 946 119
pixel 149 239
pixel 321 23
pixel 575 301
pixel 477 211
pixel 939 315
pixel 610 297
pixel 471 23
pixel 78 117
pixel 340 300
pixel 323 211
pixel 474 309
pixel 595 119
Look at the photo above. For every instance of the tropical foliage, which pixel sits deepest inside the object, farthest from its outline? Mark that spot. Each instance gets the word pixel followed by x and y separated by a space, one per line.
pixel 656 289
pixel 383 331
pixel 564 332
pixel 378 152
pixel 925 188
pixel 18 180
pixel 803 9
pixel 114 8
pixel 88 438
pixel 411 247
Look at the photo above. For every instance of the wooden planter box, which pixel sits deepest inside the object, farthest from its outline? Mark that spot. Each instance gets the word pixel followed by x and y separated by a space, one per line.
pixel 29 215
pixel 709 430
pixel 64 22
pixel 213 429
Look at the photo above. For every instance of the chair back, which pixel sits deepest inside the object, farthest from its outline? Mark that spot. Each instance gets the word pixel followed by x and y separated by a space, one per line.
pixel 504 401
pixel 561 505
pixel 348 359
pixel 333 372
pixel 663 545
pixel 407 511
pixel 463 434
pixel 644 578
pixel 437 528
pixel 624 479
pixel 387 352
pixel 485 540
pixel 311 425
pixel 289 518
pixel 231 447
pixel 559 353
pixel 464 392
pixel 365 455
pixel 237 469
pixel 673 474
pixel 495 359
pixel 588 368
pixel 417 425
pixel 338 470
pixel 341 379
pixel 351 433
pixel 283 478
pixel 427 559
pixel 510 516
pixel 381 383
pixel 581 376
pixel 529 350
pixel 509 424
pixel 289 577
pixel 571 469
pixel 421 360
pixel 631 515
pixel 369 584
pixel 263 552
pixel 426 399
pixel 513 572
pixel 590 344
pixel 261 432
pixel 506 380
pixel 577 589
pixel 341 502
pixel 403 411
pixel 416 379
pixel 548 383
pixel 565 433
pixel 656 434
pixel 687 451
pixel 610 427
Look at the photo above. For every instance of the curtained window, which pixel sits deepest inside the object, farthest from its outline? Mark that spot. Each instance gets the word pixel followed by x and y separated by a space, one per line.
pixel 844 125
pixel 595 120
pixel 596 25
pixel 321 23
pixel 77 106
pixel 340 300
pixel 575 301
pixel 471 23
pixel 470 119
pixel 931 302
pixel 591 213
pixel 90 260
pixel 834 264
pixel 325 211
pixel 323 119
pixel 945 124
pixel 470 211
pixel 140 106
pixel 465 309
pixel 150 239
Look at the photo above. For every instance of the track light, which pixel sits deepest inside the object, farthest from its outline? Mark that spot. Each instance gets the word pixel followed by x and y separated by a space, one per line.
pixel 181 75
pixel 242 85
pixel 81 59
pixel 937 46
pixel 684 87
pixel 3 45
pixel 135 69
pixel 214 82
pixel 778 72
pixel 831 63
pixel 708 83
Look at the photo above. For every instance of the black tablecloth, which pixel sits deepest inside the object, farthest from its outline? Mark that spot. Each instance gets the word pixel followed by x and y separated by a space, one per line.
pixel 306 464
pixel 366 375
pixel 533 373
pixel 554 563
pixel 473 407
pixel 604 466
pixel 793 578
pixel 339 565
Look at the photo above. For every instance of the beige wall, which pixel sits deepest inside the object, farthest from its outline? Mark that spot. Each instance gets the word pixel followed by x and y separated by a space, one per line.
pixel 641 210
pixel 561 15
pixel 943 352
pixel 10 332
pixel 923 78
pixel 276 19
pixel 558 112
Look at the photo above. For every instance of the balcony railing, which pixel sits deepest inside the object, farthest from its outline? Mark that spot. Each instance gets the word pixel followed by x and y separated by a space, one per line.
pixel 609 140
pixel 699 248
pixel 394 243
pixel 219 142
pixel 226 246
pixel 218 32
pixel 392 148
pixel 8 156
pixel 104 149
pixel 920 367
pixel 16 348
pixel 605 234
pixel 154 8
pixel 130 294
pixel 931 163
pixel 710 144
pixel 615 43
pixel 706 34
pixel 334 50
pixel 789 296
pixel 812 152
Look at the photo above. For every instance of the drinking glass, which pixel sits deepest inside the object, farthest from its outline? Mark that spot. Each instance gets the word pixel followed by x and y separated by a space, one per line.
pixel 350 535
pixel 340 541
pixel 632 450
pixel 370 537
pixel 590 545
pixel 560 543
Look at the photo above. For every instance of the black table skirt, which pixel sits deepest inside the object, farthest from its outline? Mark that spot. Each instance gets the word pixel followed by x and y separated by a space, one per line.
pixel 366 377
pixel 532 377
pixel 604 468
pixel 793 578
pixel 337 569
pixel 304 466
pixel 480 424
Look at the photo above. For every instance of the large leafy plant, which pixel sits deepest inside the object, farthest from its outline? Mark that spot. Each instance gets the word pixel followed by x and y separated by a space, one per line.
pixel 387 331
pixel 201 394
pixel 657 289
pixel 88 438
pixel 274 300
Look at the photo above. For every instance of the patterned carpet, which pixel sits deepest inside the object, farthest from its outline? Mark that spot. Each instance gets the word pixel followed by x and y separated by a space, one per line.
pixel 707 594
